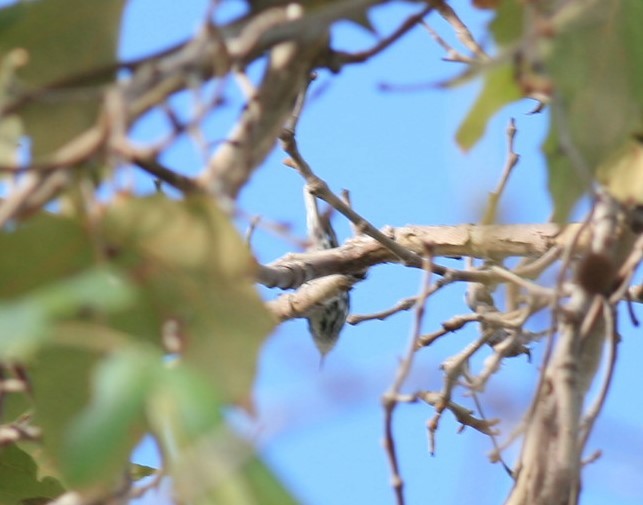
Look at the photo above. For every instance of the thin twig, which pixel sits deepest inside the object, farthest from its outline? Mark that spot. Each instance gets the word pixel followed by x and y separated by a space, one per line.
pixel 293 120
pixel 532 268
pixel 452 54
pixel 463 415
pixel 460 29
pixel 613 339
pixel 402 305
pixel 389 398
pixel 450 326
pixel 492 434
pixel 337 59
pixel 320 189
pixel 252 226
pixel 511 162
pixel 532 287
pixel 627 270
pixel 346 198
pixel 178 181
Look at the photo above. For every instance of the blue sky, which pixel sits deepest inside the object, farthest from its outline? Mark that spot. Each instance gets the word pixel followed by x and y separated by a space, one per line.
pixel 395 151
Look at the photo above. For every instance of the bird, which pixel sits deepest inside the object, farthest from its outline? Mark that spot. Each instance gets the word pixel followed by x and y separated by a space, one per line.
pixel 327 318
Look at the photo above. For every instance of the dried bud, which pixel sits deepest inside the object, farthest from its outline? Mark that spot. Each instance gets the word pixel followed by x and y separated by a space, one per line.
pixel 595 274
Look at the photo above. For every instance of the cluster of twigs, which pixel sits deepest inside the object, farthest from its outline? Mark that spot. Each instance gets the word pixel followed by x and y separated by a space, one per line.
pixel 595 261
pixel 597 258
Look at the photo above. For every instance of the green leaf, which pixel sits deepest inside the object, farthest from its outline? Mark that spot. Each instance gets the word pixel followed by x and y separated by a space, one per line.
pixel 184 406
pixel 10 124
pixel 61 379
pixel 499 89
pixel 10 133
pixel 99 441
pixel 63 40
pixel 24 324
pixel 23 327
pixel 19 482
pixel 565 185
pixel 232 476
pixel 596 63
pixel 508 24
pixel 42 251
pixel 622 174
pixel 221 468
pixel 96 290
pixel 138 472
pixel 208 463
pixel 266 487
pixel 193 269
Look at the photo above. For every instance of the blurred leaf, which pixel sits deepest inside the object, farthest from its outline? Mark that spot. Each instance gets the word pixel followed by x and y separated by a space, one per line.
pixel 208 463
pixel 10 133
pixel 500 86
pixel 266 488
pixel 486 4
pixel 597 67
pixel 37 261
pixel 193 269
pixel 23 326
pixel 19 482
pixel 10 124
pixel 221 468
pixel 508 24
pixel 96 290
pixel 61 380
pixel 138 472
pixel 184 405
pixel 63 38
pixel 565 185
pixel 40 252
pixel 499 89
pixel 249 483
pixel 25 323
pixel 622 174
pixel 99 441
pixel 15 407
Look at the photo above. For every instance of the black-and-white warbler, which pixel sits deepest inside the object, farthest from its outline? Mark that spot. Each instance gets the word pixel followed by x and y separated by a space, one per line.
pixel 326 320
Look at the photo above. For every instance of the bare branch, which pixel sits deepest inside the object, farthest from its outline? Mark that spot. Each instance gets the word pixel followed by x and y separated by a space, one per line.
pixel 389 398
pixel 320 189
pixel 452 54
pixel 463 415
pixel 337 59
pixel 298 304
pixel 550 462
pixel 512 160
pixel 150 165
pixel 360 253
pixel 263 119
pixel 402 305
pixel 461 30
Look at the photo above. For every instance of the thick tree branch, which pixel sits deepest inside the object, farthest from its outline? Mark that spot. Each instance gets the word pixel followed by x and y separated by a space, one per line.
pixel 360 253
pixel 298 304
pixel 550 463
